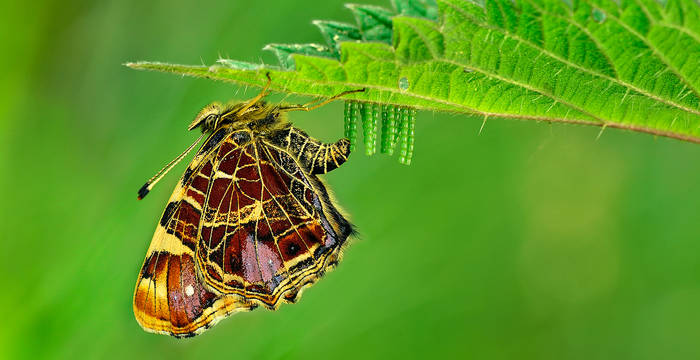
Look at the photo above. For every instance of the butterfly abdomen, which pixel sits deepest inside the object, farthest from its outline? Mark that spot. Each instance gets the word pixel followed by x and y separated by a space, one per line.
pixel 316 157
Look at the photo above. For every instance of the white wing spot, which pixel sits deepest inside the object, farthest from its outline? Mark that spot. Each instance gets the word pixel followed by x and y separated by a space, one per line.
pixel 189 290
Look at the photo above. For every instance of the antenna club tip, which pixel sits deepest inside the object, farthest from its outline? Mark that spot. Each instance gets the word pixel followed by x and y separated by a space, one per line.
pixel 143 191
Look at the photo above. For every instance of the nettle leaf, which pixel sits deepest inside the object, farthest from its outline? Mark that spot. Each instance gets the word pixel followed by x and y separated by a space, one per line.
pixel 630 64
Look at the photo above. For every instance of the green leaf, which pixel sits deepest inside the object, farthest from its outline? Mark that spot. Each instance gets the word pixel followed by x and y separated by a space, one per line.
pixel 630 64
pixel 336 33
pixel 285 52
pixel 374 22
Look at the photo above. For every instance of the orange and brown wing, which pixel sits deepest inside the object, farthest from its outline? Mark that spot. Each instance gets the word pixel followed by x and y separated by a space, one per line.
pixel 170 297
pixel 269 227
pixel 248 224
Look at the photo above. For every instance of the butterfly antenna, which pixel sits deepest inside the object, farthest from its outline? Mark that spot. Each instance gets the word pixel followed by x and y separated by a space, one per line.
pixel 143 191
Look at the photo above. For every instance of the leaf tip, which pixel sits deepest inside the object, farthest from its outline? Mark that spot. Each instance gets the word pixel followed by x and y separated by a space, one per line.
pixel 132 65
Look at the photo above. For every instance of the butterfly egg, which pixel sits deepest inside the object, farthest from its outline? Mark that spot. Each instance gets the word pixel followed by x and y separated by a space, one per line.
pixel 346 119
pixel 388 129
pixel 369 128
pixel 376 113
pixel 384 139
pixel 404 126
pixel 393 128
pixel 351 133
pixel 411 136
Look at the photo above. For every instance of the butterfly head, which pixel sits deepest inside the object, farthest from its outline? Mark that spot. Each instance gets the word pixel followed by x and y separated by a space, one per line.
pixel 243 114
pixel 208 118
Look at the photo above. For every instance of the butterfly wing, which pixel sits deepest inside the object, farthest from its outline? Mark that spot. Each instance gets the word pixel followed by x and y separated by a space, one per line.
pixel 269 227
pixel 248 224
pixel 170 297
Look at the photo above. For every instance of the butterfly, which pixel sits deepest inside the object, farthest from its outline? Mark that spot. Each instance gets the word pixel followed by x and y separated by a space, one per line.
pixel 249 224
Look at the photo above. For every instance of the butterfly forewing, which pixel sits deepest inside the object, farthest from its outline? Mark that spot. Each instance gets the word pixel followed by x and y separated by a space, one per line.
pixel 169 297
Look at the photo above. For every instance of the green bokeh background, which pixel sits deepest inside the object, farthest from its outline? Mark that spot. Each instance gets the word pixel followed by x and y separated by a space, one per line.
pixel 527 241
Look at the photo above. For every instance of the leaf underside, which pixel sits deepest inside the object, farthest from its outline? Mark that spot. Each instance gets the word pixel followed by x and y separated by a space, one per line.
pixel 631 64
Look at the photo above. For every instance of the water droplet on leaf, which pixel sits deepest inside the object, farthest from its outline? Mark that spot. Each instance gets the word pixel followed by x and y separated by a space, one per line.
pixel 403 84
pixel 598 15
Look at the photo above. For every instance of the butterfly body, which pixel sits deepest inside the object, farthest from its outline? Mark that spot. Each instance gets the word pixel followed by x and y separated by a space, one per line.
pixel 249 224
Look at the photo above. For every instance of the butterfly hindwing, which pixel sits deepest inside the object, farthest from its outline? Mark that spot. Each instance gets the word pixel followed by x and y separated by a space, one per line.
pixel 266 232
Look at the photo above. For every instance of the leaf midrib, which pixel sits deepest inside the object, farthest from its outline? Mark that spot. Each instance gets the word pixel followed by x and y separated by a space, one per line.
pixel 430 99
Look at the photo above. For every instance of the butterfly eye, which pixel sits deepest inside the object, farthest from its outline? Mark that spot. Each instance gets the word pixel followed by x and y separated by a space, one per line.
pixel 207 117
pixel 210 120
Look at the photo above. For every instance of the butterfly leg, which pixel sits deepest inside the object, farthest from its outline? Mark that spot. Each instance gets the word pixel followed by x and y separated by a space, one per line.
pixel 259 97
pixel 313 106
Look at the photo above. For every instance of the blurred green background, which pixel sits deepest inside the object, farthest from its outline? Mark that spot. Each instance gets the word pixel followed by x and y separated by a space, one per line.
pixel 528 241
